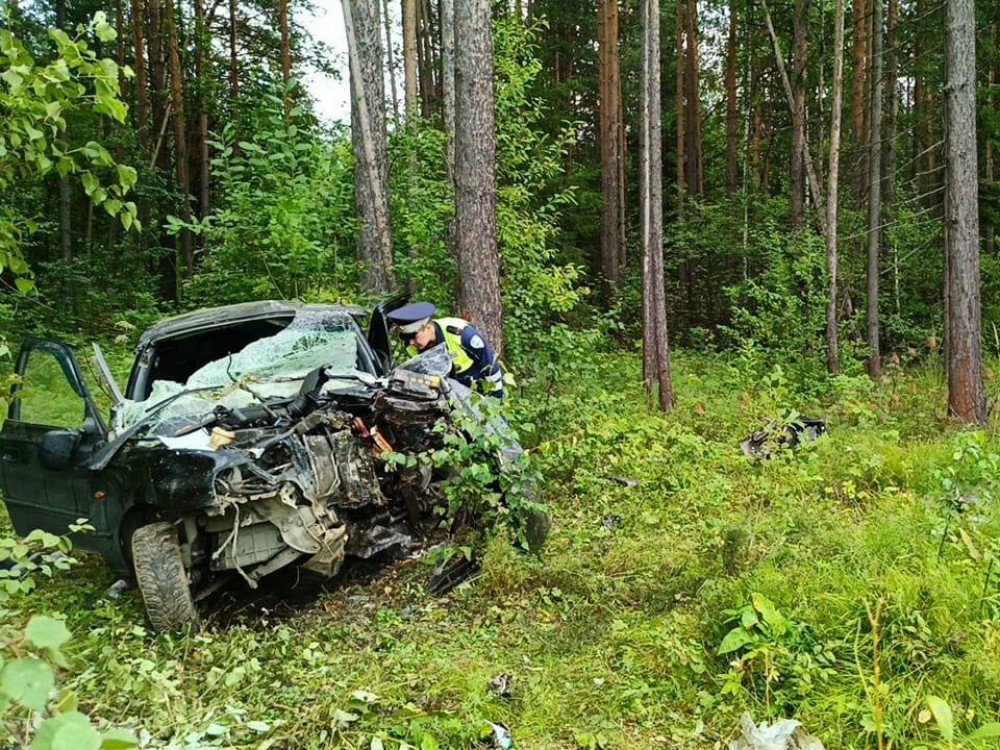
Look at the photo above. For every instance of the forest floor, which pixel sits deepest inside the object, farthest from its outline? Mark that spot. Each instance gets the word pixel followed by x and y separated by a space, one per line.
pixel 858 573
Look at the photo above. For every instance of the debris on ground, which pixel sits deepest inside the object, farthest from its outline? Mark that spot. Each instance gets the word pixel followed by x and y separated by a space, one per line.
pixel 610 521
pixel 115 589
pixel 628 482
pixel 501 686
pixel 499 737
pixel 449 574
pixel 787 433
pixel 786 734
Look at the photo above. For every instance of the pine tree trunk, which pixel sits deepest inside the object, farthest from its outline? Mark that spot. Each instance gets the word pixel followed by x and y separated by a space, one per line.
pixel 680 69
pixel 234 70
pixel 286 55
pixel 180 132
pixel 425 58
pixel 448 82
pixel 410 56
pixel 696 174
pixel 475 186
pixel 141 88
pixel 656 346
pixel 875 193
pixel 732 105
pixel 609 92
pixel 859 66
pixel 391 59
pixel 891 107
pixel 966 391
pixel 799 58
pixel 989 163
pixel 811 175
pixel 202 38
pixel 832 193
pixel 368 131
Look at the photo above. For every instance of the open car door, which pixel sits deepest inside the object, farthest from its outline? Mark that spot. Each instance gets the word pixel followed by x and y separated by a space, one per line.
pixel 52 426
pixel 378 330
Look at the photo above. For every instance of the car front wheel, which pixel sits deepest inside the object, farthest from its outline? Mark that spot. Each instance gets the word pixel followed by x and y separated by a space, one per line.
pixel 161 578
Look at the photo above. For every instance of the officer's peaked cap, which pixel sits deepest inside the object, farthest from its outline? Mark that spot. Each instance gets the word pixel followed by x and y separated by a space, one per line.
pixel 411 318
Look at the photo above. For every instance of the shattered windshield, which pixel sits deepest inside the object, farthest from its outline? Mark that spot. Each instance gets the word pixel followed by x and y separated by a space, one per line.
pixel 269 368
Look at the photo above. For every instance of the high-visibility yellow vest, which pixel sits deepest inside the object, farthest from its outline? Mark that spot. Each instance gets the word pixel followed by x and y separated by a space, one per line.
pixel 451 330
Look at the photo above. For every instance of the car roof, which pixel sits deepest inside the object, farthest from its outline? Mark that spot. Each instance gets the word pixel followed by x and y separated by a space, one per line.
pixel 218 317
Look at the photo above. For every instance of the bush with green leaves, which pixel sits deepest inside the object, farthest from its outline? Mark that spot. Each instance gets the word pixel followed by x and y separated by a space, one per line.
pixel 283 226
pixel 491 485
pixel 36 99
pixel 33 712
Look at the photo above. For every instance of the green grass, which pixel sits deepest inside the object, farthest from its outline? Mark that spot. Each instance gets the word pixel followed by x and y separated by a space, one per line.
pixel 612 636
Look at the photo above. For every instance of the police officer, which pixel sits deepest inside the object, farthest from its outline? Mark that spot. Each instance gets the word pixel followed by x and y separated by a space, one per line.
pixel 473 362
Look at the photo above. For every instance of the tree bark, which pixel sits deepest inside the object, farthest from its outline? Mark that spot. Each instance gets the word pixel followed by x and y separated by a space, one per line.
pixel 859 66
pixel 811 176
pixel 410 57
pixel 832 193
pixel 391 59
pixel 286 55
pixel 891 106
pixel 966 390
pixel 234 70
pixel 695 167
pixel 448 82
pixel 425 58
pixel 680 68
pixel 475 186
pixel 141 89
pixel 732 105
pixel 799 58
pixel 609 94
pixel 875 193
pixel 180 134
pixel 368 132
pixel 202 38
pixel 656 345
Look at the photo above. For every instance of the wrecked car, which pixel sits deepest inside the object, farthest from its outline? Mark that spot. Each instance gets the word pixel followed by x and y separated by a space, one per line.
pixel 248 438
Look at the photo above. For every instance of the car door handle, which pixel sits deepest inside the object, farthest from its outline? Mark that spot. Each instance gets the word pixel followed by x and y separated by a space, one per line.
pixel 11 456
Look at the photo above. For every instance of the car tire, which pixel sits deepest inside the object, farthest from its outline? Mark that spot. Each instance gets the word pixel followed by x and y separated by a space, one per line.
pixel 161 578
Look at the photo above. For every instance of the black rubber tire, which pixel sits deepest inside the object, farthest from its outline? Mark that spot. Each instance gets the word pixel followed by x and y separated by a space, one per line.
pixel 161 578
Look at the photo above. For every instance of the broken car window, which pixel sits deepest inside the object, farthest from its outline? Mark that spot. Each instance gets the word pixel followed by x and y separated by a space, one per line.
pixel 269 368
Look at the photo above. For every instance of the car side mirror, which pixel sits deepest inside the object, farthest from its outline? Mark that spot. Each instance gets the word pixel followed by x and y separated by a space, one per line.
pixel 58 448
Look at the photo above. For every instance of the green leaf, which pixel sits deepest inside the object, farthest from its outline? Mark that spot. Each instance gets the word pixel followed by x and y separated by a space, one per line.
pixel 46 632
pixel 28 682
pixel 735 639
pixel 70 731
pixel 943 717
pixel 767 610
pixel 105 31
pixel 90 183
pixel 24 285
pixel 986 731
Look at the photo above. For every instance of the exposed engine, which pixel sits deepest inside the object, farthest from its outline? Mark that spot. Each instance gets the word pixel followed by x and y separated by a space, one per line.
pixel 311 481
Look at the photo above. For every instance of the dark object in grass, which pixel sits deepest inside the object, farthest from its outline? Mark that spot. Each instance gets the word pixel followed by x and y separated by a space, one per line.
pixel 628 482
pixel 448 575
pixel 499 737
pixel 777 435
pixel 609 522
pixel 502 686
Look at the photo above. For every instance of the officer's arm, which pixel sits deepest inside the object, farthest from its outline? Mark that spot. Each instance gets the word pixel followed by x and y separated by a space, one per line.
pixel 485 363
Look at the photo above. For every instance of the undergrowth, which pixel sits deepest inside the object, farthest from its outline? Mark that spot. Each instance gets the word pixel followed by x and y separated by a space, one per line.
pixel 840 583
